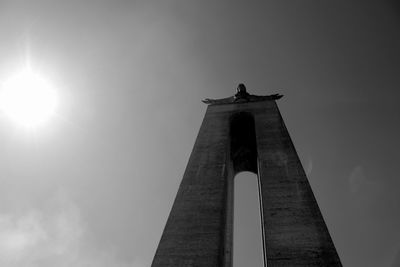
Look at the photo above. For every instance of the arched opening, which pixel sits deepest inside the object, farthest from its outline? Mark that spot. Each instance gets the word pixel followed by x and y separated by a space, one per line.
pixel 247 233
pixel 247 226
pixel 243 142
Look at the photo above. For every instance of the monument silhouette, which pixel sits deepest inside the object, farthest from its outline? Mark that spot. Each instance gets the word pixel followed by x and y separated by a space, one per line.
pixel 244 133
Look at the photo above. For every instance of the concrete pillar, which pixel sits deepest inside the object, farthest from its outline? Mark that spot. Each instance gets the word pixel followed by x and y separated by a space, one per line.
pixel 244 133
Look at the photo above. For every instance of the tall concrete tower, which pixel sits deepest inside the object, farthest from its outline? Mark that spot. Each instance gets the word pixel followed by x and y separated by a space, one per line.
pixel 244 133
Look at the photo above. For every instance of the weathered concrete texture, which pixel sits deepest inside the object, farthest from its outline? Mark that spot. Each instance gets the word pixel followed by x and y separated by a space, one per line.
pixel 199 229
pixel 296 234
pixel 195 231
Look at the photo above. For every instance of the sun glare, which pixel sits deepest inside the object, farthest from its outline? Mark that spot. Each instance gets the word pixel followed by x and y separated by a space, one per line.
pixel 28 99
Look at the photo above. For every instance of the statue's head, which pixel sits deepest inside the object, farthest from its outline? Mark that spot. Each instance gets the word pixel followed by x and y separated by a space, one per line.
pixel 241 88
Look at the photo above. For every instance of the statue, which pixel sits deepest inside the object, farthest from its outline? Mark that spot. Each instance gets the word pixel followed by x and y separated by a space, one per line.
pixel 241 96
pixel 241 92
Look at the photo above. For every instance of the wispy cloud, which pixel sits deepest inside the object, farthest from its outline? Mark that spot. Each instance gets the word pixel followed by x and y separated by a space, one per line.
pixel 357 179
pixel 363 183
pixel 51 237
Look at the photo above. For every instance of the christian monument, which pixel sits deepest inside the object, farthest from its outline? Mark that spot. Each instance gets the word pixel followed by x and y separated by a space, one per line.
pixel 244 133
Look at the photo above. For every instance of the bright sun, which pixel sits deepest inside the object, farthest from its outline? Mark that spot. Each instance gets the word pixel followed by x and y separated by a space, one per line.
pixel 28 99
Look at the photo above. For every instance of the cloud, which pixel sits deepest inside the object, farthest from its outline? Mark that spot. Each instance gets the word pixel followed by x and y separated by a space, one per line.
pixel 364 184
pixel 372 198
pixel 52 236
pixel 357 179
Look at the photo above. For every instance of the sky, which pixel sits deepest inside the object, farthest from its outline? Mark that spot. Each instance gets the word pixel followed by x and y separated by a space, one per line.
pixel 95 184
